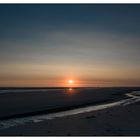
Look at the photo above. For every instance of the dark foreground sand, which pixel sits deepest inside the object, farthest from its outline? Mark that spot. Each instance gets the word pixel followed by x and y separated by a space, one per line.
pixel 117 121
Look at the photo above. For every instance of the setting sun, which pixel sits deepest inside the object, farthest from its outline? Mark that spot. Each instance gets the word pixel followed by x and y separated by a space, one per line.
pixel 70 81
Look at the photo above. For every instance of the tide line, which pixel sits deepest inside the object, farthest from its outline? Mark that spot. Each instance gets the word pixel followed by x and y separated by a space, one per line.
pixel 38 118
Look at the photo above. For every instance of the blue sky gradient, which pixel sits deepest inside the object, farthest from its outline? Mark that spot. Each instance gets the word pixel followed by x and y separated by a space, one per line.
pixel 46 44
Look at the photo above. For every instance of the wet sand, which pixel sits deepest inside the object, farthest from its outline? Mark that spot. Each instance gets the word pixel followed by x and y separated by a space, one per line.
pixel 117 121
pixel 31 103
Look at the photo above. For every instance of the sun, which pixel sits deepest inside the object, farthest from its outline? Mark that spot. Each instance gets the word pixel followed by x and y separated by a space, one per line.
pixel 70 81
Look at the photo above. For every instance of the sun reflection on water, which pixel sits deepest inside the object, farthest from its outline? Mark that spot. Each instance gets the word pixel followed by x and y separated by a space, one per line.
pixel 70 89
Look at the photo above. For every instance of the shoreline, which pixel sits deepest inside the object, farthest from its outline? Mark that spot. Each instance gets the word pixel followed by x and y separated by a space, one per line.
pixel 66 108
pixel 116 121
pixel 42 117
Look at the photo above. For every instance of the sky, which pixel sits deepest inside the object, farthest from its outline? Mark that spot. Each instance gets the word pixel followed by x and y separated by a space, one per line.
pixel 47 45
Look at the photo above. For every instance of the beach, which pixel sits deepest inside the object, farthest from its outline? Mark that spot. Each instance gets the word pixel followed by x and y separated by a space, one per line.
pixel 120 120
pixel 69 69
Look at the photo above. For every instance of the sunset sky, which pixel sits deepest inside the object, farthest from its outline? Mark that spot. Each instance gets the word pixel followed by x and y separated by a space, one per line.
pixel 47 45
